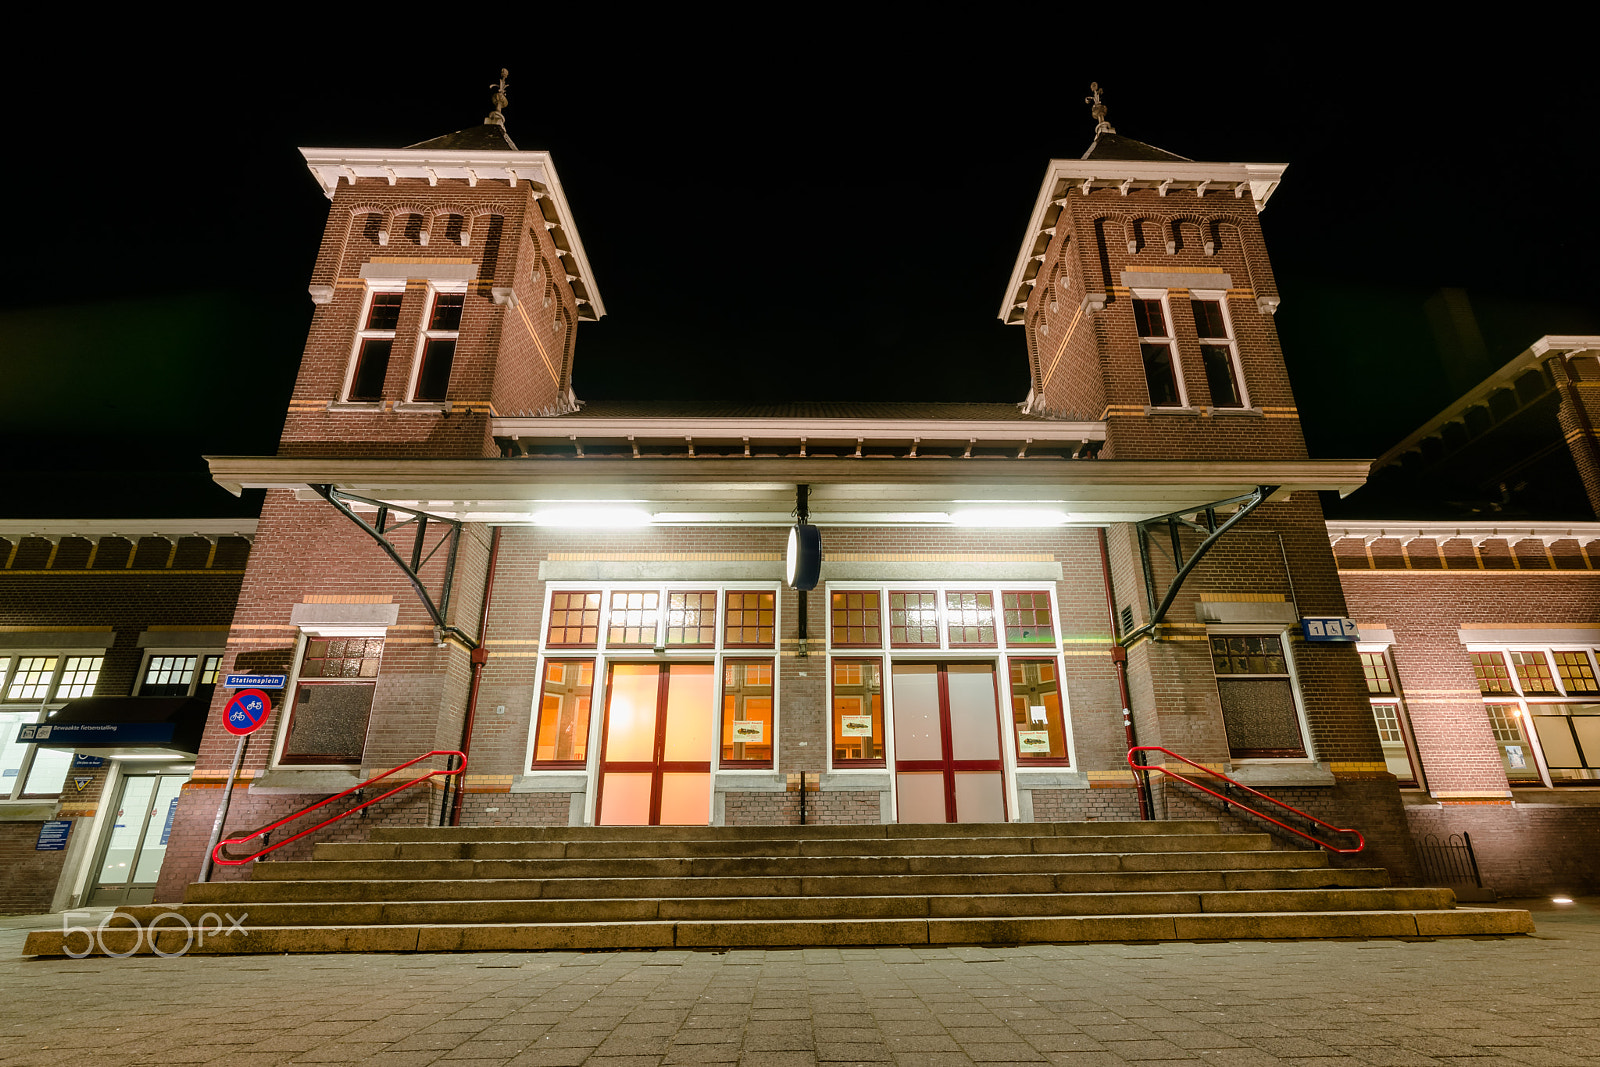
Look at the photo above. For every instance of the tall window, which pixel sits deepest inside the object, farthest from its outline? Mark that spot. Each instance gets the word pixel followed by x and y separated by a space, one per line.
pixel 858 713
pixel 1036 712
pixel 1219 353
pixel 333 700
pixel 374 345
pixel 561 737
pixel 1388 716
pixel 439 346
pixel 1160 356
pixel 1258 702
pixel 747 713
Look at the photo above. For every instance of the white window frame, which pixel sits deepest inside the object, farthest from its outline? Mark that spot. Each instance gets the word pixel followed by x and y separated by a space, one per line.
pixel 39 708
pixel 200 655
pixel 1170 340
pixel 362 334
pixel 1408 737
pixel 1523 700
pixel 1000 655
pixel 717 653
pixel 291 687
pixel 424 335
pixel 1220 296
pixel 1264 630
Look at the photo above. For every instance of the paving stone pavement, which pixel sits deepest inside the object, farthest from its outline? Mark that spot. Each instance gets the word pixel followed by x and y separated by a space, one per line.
pixel 1513 1002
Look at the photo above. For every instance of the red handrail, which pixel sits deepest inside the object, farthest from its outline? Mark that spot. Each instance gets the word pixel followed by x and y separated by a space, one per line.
pixel 216 853
pixel 1361 841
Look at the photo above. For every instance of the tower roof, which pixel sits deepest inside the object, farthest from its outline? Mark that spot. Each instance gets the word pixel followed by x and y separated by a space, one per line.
pixel 485 136
pixel 1109 144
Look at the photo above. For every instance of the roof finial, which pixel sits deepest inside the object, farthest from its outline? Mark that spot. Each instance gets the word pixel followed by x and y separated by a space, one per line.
pixel 495 117
pixel 1098 110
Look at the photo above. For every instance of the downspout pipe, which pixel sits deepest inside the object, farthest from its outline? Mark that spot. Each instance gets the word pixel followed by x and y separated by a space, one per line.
pixel 480 656
pixel 1119 658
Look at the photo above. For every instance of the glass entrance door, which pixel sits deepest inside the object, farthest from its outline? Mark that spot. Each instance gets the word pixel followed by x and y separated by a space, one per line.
pixel 655 755
pixel 947 764
pixel 136 842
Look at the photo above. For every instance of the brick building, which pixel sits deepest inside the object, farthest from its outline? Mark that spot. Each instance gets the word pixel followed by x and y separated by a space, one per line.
pixel 616 609
pixel 593 599
pixel 1479 632
pixel 125 622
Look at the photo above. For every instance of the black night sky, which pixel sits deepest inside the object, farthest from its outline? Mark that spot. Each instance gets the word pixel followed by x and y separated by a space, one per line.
pixel 837 220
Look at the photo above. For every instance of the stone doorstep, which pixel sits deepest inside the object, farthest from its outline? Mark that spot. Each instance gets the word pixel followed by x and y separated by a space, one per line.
pixel 703 867
pixel 857 848
pixel 1110 882
pixel 786 908
pixel 1466 922
pixel 788 833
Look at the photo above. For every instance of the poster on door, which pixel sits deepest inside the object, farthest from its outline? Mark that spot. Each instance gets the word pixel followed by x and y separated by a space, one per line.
pixel 855 726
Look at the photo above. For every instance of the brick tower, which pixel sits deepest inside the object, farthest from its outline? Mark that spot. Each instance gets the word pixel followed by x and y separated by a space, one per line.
pixel 1146 297
pixel 448 288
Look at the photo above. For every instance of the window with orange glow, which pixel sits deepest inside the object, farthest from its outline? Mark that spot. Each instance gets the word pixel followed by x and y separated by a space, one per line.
pixel 857 713
pixel 1036 712
pixel 751 620
pixel 562 736
pixel 747 727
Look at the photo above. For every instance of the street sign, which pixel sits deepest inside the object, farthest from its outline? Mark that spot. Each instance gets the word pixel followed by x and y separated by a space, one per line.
pixel 254 681
pixel 61 734
pixel 246 711
pixel 80 761
pixel 1330 629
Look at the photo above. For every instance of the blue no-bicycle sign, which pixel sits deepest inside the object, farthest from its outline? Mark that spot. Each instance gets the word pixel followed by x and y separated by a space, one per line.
pixel 246 711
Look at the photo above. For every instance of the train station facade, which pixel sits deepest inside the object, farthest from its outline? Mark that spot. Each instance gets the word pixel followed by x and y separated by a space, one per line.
pixel 728 613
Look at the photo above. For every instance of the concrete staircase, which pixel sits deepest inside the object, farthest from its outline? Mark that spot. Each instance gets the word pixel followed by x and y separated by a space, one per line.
pixel 472 889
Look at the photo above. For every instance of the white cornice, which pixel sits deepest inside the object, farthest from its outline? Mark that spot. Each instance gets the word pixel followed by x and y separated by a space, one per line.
pixel 1542 349
pixel 787 429
pixel 132 529
pixel 760 491
pixel 330 165
pixel 1404 530
pixel 1175 180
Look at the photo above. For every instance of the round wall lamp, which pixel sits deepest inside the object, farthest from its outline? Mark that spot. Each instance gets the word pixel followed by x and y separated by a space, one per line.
pixel 804 556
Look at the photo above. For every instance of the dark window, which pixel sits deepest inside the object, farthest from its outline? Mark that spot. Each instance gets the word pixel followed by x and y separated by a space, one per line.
pixel 372 364
pixel 1208 321
pixel 384 314
pixel 447 311
pixel 433 380
pixel 1149 317
pixel 1220 378
pixel 1158 372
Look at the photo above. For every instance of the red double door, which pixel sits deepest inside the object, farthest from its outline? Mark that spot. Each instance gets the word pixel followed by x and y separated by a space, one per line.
pixel 947 761
pixel 655 752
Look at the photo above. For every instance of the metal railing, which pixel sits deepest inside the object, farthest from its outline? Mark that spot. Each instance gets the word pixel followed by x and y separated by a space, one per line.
pixel 1450 861
pixel 1361 842
pixel 219 856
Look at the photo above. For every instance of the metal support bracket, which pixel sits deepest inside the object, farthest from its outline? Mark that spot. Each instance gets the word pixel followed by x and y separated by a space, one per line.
pixel 1205 522
pixel 410 560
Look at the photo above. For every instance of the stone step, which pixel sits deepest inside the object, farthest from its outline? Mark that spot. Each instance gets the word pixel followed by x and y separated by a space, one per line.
pixel 502 937
pixel 1108 882
pixel 787 833
pixel 750 847
pixel 782 866
pixel 623 909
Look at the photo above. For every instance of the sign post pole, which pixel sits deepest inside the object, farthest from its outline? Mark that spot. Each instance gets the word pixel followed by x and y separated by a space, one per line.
pixel 246 712
pixel 222 808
